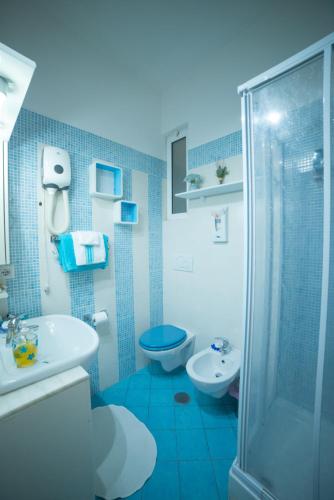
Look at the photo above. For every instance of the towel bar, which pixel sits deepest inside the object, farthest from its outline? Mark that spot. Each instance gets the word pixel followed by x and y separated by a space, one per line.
pixel 54 239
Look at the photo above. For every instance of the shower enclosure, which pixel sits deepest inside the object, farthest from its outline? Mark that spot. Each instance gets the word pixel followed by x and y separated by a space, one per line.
pixel 286 424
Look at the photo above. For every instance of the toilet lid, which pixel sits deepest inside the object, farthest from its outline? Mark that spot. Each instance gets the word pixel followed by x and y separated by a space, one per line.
pixel 163 337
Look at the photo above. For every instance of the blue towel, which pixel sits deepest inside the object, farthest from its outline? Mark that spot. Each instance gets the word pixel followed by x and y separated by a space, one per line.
pixel 67 257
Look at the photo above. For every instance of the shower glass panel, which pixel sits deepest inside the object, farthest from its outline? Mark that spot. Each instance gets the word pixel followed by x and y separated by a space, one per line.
pixel 326 441
pixel 286 120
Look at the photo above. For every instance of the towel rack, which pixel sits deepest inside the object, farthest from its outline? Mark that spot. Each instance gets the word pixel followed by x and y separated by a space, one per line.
pixel 54 238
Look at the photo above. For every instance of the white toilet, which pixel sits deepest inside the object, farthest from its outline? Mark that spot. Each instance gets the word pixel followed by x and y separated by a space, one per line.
pixel 212 372
pixel 170 345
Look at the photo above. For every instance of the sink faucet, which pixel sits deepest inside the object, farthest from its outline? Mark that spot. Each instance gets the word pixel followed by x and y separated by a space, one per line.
pixel 222 345
pixel 14 327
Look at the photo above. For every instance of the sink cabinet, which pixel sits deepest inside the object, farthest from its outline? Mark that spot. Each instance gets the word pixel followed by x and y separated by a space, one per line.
pixel 46 440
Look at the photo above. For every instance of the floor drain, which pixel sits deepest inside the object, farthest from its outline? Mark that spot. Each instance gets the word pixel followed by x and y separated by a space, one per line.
pixel 182 397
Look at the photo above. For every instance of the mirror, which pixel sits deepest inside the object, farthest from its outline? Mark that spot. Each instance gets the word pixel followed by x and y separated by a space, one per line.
pixel 4 235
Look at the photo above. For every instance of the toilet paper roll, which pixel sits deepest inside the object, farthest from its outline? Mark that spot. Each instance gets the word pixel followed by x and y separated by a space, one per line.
pixel 100 318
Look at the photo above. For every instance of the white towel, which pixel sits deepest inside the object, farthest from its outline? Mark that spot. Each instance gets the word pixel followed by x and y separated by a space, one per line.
pixel 88 247
pixel 87 237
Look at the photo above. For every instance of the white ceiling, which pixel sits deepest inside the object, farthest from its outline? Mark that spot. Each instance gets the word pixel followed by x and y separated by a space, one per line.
pixel 129 69
pixel 156 41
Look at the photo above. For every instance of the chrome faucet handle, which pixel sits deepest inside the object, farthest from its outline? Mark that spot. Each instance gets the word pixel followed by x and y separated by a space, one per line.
pixel 221 344
pixel 14 321
pixel 14 326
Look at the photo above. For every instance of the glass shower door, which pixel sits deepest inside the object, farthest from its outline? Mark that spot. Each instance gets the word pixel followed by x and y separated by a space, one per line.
pixel 286 123
pixel 326 438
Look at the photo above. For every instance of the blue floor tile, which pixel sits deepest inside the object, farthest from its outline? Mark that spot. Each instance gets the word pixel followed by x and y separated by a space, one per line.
pixel 122 384
pixel 196 441
pixel 97 400
pixel 192 445
pixel 144 371
pixel 188 417
pixel 156 368
pixel 222 443
pixel 181 379
pixel 234 419
pixel 136 496
pixel 216 417
pixel 229 401
pixel 180 370
pixel 162 397
pixel 163 484
pixel 161 381
pixel 191 391
pixel 141 412
pixel 221 469
pixel 197 481
pixel 166 444
pixel 161 417
pixel 206 400
pixel 140 381
pixel 114 395
pixel 138 397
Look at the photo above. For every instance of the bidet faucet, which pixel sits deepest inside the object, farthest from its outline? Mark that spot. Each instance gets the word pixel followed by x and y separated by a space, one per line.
pixel 14 327
pixel 221 344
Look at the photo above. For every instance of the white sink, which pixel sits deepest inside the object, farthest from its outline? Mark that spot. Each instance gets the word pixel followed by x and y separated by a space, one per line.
pixel 64 342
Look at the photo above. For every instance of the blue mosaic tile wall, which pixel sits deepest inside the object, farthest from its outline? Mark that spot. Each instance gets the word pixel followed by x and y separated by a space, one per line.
pixel 124 289
pixel 301 271
pixel 31 130
pixel 24 289
pixel 218 149
pixel 155 249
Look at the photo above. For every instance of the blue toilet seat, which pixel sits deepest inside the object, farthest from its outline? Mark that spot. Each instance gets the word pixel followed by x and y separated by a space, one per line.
pixel 162 338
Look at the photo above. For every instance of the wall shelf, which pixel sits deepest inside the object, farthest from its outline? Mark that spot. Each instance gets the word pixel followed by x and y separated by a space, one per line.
pixel 105 181
pixel 219 189
pixel 125 212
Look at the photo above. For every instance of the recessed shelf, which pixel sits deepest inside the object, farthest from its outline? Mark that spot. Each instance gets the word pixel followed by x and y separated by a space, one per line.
pixel 230 187
pixel 125 212
pixel 105 180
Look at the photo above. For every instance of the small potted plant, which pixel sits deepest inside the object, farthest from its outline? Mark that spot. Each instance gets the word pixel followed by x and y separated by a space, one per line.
pixel 194 181
pixel 221 172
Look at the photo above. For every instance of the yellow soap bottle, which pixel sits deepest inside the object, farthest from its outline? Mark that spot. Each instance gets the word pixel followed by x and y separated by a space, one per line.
pixel 25 347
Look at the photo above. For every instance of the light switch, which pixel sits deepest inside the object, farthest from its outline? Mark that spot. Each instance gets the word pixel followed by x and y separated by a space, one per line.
pixel 183 263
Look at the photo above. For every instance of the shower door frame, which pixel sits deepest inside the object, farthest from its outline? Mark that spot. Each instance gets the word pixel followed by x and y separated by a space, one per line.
pixel 247 485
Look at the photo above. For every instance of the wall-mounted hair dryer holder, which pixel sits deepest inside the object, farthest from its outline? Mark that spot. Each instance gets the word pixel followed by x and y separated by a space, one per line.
pixel 56 177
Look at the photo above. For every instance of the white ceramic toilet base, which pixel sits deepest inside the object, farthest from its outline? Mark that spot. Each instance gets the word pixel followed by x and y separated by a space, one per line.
pixel 125 452
pixel 173 358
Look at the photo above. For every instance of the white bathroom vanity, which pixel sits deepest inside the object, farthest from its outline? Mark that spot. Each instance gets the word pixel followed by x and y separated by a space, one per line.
pixel 46 440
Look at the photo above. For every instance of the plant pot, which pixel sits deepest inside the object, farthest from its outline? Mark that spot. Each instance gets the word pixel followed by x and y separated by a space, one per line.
pixel 221 180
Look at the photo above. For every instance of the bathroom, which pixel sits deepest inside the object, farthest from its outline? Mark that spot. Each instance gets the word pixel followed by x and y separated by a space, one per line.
pixel 190 356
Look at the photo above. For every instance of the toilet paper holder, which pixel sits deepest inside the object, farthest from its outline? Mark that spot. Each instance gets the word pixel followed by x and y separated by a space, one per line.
pixel 94 318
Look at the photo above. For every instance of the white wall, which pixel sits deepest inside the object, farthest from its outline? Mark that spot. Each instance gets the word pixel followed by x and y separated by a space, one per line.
pixel 208 301
pixel 79 80
pixel 58 299
pixel 104 281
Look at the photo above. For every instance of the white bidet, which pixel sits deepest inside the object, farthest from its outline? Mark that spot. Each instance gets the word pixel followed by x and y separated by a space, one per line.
pixel 212 372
